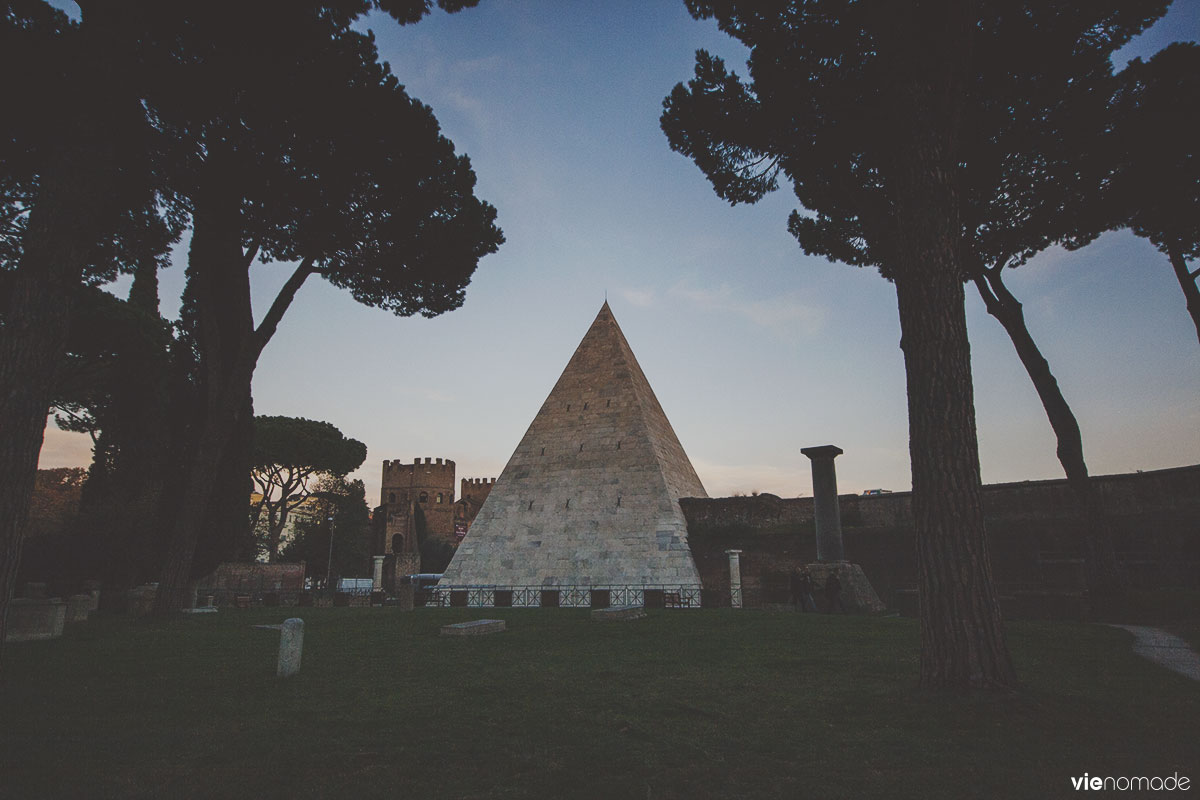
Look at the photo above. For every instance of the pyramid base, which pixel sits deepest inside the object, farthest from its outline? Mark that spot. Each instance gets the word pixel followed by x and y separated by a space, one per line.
pixel 643 596
pixel 857 592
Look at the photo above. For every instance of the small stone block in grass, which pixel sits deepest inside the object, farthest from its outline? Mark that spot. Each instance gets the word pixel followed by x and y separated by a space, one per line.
pixel 476 627
pixel 618 613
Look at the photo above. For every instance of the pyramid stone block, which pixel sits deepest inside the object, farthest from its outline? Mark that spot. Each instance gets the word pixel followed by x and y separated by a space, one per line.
pixel 591 495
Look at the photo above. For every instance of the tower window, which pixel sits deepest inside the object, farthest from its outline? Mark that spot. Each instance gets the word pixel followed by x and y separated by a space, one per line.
pixel 439 497
pixel 391 497
pixel 424 498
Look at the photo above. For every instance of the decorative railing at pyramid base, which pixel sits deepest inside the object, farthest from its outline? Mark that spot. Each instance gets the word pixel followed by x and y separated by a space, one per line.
pixel 648 596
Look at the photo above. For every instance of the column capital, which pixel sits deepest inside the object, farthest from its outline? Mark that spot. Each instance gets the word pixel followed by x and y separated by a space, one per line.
pixel 732 552
pixel 824 451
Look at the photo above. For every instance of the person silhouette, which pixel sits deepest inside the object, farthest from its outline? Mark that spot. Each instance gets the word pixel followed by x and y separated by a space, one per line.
pixel 833 592
pixel 802 587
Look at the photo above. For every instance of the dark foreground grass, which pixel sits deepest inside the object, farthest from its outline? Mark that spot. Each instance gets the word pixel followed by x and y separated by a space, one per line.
pixel 679 705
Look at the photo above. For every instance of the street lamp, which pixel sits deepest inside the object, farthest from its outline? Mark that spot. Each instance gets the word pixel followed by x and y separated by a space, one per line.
pixel 329 497
pixel 329 564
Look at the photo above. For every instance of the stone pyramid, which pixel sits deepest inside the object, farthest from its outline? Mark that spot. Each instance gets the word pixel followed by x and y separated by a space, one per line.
pixel 590 496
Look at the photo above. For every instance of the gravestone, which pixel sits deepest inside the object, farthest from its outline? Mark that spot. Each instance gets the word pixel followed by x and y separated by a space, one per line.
pixel 92 588
pixel 291 645
pixel 141 599
pixel 476 627
pixel 78 607
pixel 618 614
pixel 35 619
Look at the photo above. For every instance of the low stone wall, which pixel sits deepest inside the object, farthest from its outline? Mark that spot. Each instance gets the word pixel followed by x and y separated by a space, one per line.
pixel 246 577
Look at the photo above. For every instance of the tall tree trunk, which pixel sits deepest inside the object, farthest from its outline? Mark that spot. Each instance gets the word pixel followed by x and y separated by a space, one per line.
pixel 229 347
pixel 217 306
pixel 275 535
pixel 31 351
pixel 1187 282
pixel 1102 571
pixel 67 219
pixel 963 643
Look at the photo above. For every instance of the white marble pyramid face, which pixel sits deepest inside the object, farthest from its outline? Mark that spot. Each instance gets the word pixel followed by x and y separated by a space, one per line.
pixel 590 496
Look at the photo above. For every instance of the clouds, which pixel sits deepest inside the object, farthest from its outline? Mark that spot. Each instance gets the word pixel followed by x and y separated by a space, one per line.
pixel 642 298
pixel 785 315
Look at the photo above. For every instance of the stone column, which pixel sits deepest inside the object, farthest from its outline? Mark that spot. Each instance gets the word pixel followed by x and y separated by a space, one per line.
pixel 735 577
pixel 377 578
pixel 825 502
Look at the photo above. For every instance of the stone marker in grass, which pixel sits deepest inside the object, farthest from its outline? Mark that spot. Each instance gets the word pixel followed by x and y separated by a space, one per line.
pixel 291 645
pixel 34 619
pixel 618 613
pixel 476 627
pixel 79 606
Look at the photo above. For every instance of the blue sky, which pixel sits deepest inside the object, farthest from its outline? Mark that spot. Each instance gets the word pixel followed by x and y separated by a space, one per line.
pixel 753 349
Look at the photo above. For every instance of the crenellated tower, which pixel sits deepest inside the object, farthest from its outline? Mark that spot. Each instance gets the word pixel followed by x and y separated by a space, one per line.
pixel 426 485
pixel 472 493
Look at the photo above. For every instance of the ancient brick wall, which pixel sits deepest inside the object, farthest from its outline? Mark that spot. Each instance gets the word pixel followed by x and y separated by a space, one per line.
pixel 1034 536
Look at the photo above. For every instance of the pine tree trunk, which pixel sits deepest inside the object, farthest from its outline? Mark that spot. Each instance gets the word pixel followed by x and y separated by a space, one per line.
pixel 276 533
pixel 218 309
pixel 190 515
pixel 31 350
pixel 63 228
pixel 229 347
pixel 1187 282
pixel 1103 574
pixel 962 637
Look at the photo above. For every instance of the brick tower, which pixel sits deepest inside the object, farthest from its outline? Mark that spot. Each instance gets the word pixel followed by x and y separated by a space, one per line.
pixel 470 499
pixel 427 486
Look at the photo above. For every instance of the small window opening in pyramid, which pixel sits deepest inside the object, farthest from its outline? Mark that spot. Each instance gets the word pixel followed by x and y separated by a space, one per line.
pixel 585 406
pixel 583 544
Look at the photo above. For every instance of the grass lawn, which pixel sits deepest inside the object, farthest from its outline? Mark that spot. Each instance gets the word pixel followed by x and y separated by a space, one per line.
pixel 690 704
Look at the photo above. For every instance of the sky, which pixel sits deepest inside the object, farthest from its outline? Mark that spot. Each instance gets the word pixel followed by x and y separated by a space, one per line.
pixel 753 349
